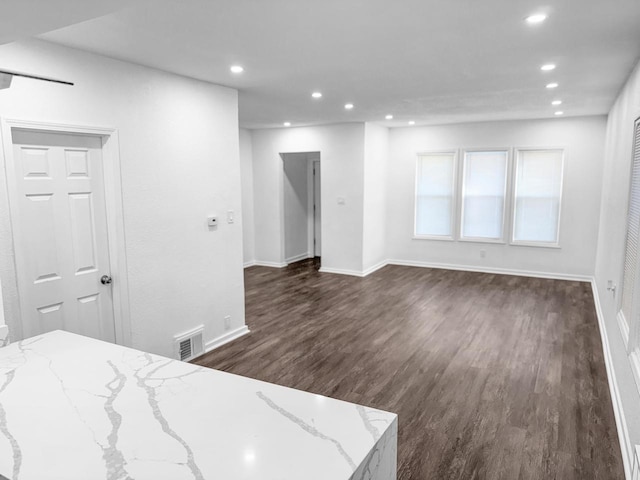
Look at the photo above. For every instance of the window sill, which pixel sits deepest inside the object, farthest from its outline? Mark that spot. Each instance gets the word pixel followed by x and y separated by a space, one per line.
pixel 536 244
pixel 497 241
pixel 433 237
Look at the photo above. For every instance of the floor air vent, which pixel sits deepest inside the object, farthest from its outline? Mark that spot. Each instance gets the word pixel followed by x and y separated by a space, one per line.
pixel 189 345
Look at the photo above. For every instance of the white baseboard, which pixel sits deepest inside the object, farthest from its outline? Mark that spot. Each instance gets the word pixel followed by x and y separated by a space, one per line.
pixel 341 271
pixel 450 266
pixel 376 267
pixel 297 258
pixel 502 271
pixel 354 273
pixel 250 263
pixel 626 448
pixel 260 263
pixel 226 338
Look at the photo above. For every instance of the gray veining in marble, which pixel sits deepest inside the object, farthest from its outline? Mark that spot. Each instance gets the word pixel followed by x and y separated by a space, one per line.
pixel 307 428
pixel 157 413
pixel 113 457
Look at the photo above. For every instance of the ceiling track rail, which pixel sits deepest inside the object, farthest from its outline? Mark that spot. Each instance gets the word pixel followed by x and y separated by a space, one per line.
pixel 35 77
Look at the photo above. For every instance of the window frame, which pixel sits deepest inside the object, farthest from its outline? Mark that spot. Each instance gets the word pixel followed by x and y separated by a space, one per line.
pixel 506 204
pixel 630 327
pixel 454 196
pixel 514 191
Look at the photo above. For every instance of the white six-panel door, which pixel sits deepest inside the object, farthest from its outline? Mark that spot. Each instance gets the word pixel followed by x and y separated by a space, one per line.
pixel 61 241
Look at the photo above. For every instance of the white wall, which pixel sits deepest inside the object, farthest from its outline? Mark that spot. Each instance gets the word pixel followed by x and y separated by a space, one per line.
pixel 583 140
pixel 246 176
pixel 180 163
pixel 341 149
pixel 611 240
pixel 376 151
pixel 296 206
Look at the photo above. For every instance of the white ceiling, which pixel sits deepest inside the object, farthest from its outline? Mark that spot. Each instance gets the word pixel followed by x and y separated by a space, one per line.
pixel 432 61
pixel 25 18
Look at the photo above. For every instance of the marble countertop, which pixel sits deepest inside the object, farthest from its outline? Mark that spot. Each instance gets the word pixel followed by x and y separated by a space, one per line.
pixel 72 407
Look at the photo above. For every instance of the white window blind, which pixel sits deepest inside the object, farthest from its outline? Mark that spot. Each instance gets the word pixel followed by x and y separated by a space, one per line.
pixel 435 189
pixel 538 191
pixel 633 233
pixel 483 194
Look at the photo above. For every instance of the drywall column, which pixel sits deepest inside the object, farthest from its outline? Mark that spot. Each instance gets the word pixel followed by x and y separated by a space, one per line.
pixel 376 151
pixel 246 176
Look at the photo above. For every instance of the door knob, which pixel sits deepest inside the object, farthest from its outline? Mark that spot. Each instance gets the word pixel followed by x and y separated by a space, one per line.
pixel 106 280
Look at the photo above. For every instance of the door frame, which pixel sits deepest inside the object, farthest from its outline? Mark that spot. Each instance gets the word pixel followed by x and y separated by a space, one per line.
pixel 114 207
pixel 318 206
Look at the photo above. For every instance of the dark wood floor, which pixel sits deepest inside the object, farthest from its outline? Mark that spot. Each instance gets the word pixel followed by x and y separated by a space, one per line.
pixel 492 376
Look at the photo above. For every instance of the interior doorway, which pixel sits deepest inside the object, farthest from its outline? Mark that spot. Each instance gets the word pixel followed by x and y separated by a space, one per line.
pixel 67 235
pixel 61 240
pixel 302 206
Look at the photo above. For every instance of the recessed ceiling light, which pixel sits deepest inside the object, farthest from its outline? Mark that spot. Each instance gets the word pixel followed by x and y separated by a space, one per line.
pixel 556 102
pixel 389 117
pixel 316 95
pixel 559 113
pixel 236 69
pixel 548 67
pixel 552 85
pixel 287 124
pixel 349 106
pixel 536 18
pixel 411 122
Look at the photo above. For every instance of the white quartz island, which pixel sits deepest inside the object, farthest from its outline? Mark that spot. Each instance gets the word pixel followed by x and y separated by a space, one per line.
pixel 77 408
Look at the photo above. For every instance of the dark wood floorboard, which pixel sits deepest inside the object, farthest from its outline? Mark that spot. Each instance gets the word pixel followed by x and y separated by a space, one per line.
pixel 492 376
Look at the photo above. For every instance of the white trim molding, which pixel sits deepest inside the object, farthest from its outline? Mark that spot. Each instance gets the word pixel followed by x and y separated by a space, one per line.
pixel 341 271
pixel 624 327
pixel 226 338
pixel 375 268
pixel 626 448
pixel 354 273
pixel 501 271
pixel 248 264
pixel 260 263
pixel 297 258
pixel 464 268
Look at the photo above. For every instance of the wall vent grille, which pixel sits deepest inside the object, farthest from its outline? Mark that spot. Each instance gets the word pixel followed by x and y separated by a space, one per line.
pixel 189 345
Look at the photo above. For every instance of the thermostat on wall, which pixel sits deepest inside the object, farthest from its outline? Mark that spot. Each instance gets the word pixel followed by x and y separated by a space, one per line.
pixel 212 221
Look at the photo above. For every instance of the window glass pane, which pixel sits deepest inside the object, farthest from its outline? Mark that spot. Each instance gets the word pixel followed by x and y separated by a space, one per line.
pixel 537 195
pixel 483 193
pixel 434 194
pixel 633 233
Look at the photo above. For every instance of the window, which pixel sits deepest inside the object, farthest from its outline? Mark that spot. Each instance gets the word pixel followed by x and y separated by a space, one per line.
pixel 630 270
pixel 435 194
pixel 538 189
pixel 629 313
pixel 483 195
